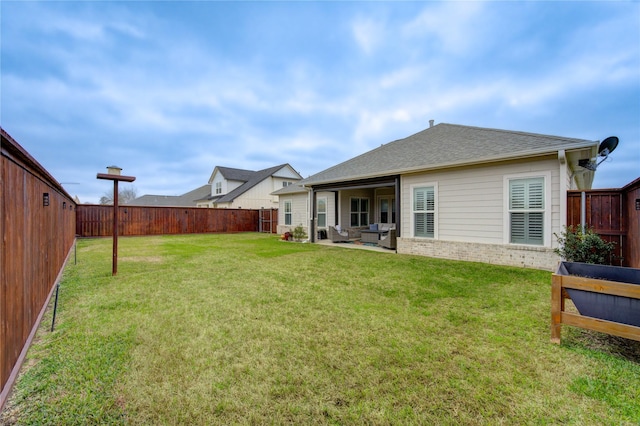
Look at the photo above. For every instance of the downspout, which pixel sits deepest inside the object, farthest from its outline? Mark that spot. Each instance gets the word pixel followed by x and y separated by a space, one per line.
pixel 562 158
pixel 583 211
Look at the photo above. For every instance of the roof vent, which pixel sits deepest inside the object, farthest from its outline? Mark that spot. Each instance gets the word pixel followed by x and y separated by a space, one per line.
pixel 431 123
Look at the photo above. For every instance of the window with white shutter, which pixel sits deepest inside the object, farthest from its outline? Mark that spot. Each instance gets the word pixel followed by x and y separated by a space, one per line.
pixel 424 211
pixel 526 211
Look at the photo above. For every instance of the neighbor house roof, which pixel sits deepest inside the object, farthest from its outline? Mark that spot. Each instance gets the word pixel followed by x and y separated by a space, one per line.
pixel 446 145
pixel 249 178
pixel 295 188
pixel 230 173
pixel 187 199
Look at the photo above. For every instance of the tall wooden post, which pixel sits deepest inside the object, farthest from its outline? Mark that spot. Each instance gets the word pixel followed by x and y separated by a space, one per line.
pixel 114 266
pixel 114 175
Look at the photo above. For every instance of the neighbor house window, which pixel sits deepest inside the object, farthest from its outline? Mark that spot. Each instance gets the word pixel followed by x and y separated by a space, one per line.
pixel 359 212
pixel 287 212
pixel 285 184
pixel 218 187
pixel 424 211
pixel 527 210
pixel 322 212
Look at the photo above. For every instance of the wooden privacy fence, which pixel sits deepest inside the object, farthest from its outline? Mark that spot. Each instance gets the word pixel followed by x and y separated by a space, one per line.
pixel 97 220
pixel 37 231
pixel 614 214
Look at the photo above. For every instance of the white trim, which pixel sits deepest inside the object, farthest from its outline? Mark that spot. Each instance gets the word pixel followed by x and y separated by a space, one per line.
pixel 435 208
pixel 506 232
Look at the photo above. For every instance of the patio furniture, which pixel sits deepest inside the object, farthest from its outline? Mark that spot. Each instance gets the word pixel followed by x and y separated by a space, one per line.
pixel 338 236
pixel 388 240
pixel 371 236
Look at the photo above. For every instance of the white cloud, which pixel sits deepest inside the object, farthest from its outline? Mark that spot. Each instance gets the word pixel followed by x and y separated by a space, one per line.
pixel 451 26
pixel 367 33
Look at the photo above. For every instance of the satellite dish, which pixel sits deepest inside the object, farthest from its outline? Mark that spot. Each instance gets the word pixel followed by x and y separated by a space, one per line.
pixel 607 146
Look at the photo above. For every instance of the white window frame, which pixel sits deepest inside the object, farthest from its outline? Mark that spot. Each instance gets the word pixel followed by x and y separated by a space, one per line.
pixel 289 213
pixel 218 188
pixel 547 210
pixel 412 188
pixel 318 212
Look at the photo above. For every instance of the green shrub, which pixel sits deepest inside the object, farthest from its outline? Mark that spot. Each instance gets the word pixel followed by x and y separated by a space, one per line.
pixel 299 234
pixel 586 247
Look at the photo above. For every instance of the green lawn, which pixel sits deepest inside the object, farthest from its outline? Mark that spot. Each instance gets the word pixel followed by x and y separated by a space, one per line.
pixel 247 329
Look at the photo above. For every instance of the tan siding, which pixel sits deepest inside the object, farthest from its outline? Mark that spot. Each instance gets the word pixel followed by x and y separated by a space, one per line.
pixel 471 201
pixel 258 197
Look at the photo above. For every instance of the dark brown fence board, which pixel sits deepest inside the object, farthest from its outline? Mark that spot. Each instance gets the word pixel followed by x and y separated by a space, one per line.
pixel 612 215
pixel 97 220
pixel 35 242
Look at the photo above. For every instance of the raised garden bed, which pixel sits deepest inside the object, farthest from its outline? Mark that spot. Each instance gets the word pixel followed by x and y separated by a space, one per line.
pixel 607 299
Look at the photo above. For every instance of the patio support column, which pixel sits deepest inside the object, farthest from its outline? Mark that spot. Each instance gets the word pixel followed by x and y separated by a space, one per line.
pixel 398 221
pixel 312 223
pixel 336 195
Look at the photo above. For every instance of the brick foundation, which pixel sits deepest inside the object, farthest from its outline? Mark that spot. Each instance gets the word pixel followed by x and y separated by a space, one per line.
pixel 523 256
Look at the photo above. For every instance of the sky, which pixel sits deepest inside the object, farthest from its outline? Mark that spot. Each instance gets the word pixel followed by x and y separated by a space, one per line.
pixel 169 90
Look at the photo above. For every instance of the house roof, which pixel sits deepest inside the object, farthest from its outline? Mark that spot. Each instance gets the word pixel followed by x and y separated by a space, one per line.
pixel 230 173
pixel 249 178
pixel 187 199
pixel 295 188
pixel 446 145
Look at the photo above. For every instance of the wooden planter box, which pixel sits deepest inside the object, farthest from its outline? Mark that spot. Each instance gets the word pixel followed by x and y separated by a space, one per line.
pixel 607 299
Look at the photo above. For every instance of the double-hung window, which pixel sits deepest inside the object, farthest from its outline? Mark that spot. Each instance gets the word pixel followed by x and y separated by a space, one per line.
pixel 527 211
pixel 287 212
pixel 322 212
pixel 424 211
pixel 359 215
pixel 218 187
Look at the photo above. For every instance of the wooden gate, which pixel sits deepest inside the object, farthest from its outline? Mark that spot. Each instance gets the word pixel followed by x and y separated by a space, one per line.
pixel 268 221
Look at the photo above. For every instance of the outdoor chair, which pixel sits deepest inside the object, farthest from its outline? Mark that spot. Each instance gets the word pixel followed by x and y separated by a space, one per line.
pixel 338 237
pixel 388 240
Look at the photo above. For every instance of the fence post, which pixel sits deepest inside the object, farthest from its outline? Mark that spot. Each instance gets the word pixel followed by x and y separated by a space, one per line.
pixel 557 306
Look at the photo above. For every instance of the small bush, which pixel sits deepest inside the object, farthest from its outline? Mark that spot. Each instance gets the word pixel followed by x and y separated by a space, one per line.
pixel 299 234
pixel 586 247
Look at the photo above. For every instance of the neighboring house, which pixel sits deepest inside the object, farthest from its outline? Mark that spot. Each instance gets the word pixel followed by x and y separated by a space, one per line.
pixel 455 192
pixel 247 189
pixel 188 199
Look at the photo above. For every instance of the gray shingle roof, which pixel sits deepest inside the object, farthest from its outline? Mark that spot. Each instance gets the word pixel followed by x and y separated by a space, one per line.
pixel 188 199
pixel 295 188
pixel 252 179
pixel 236 174
pixel 445 145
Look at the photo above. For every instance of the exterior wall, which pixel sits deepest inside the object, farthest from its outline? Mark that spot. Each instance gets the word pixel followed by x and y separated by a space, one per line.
pixel 287 173
pixel 227 185
pixel 258 197
pixel 471 217
pixel 299 210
